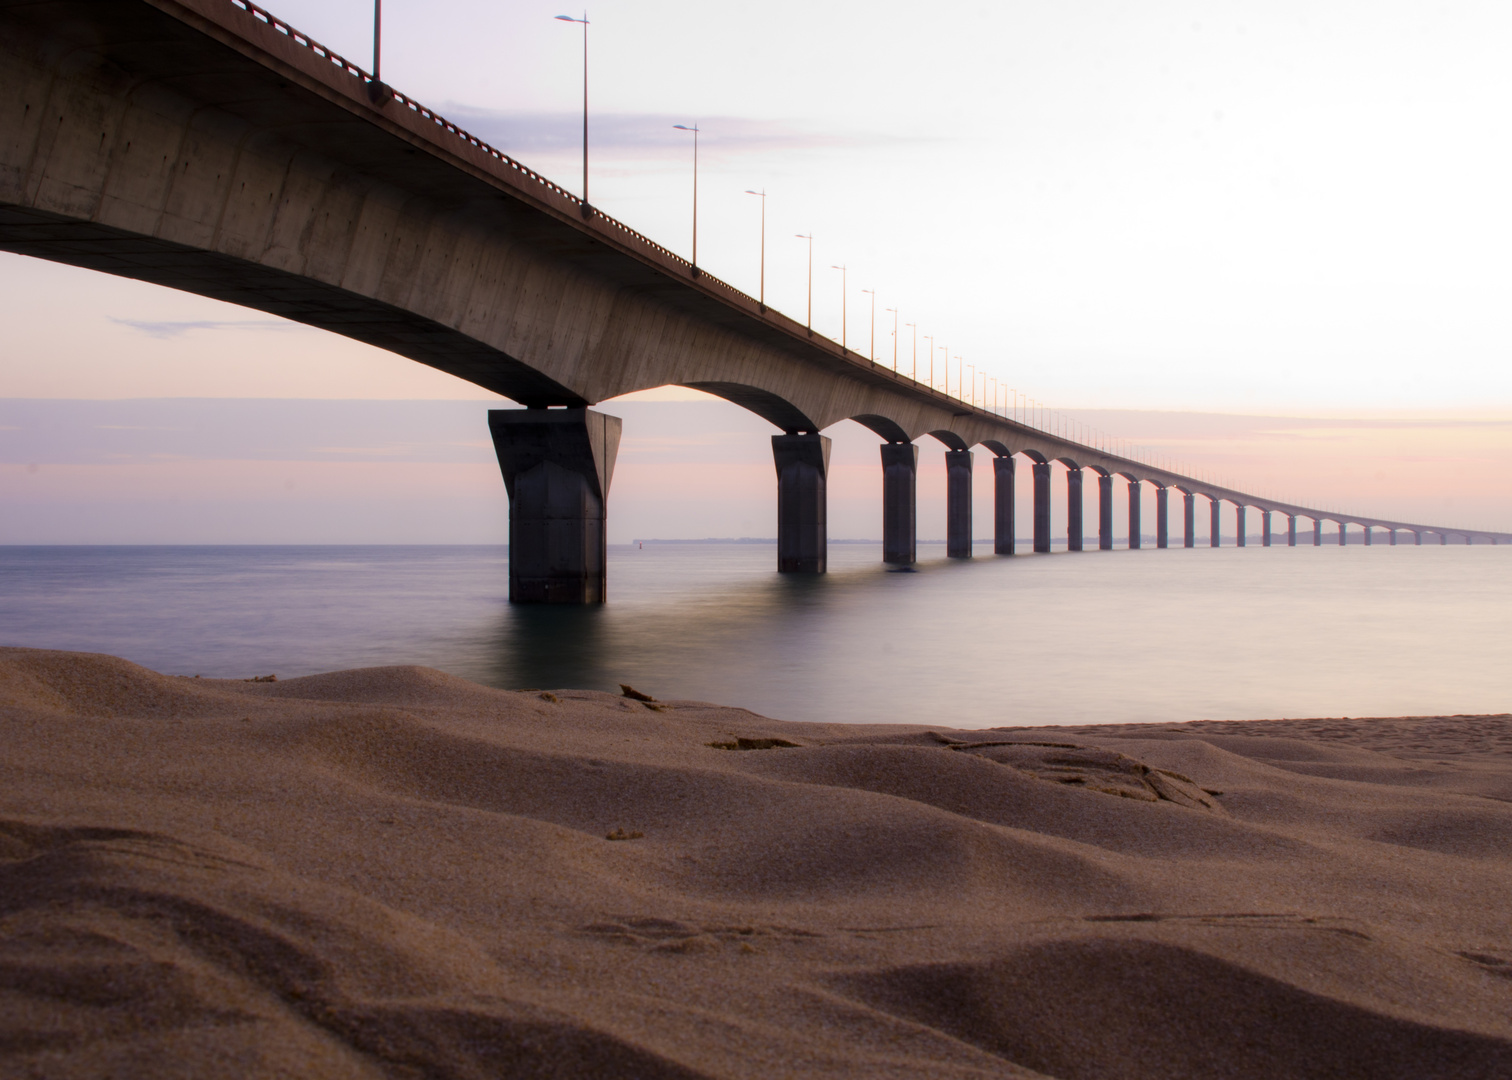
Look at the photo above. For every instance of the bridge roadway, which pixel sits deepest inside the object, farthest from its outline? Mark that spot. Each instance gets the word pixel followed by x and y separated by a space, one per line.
pixel 206 146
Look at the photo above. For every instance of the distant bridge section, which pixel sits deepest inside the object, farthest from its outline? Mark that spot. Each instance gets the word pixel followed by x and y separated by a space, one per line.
pixel 206 146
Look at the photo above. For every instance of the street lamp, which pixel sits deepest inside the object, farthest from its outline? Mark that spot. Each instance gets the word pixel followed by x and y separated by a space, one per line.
pixel 946 350
pixel 694 130
pixel 810 238
pixel 973 384
pixel 762 193
pixel 843 290
pixel 913 370
pixel 872 348
pixel 895 338
pixel 584 22
pixel 377 36
pixel 930 338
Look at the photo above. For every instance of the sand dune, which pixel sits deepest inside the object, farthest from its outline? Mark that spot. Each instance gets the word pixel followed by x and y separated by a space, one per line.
pixel 397 873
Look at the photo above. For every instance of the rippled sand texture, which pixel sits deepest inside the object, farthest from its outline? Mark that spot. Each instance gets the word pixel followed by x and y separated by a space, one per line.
pixel 396 873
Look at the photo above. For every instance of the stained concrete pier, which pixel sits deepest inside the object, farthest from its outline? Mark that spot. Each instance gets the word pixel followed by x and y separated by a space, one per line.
pixel 802 505
pixel 958 504
pixel 1135 490
pixel 557 466
pixel 1003 517
pixel 1104 512
pixel 1240 538
pixel 1041 506
pixel 1074 530
pixel 900 501
pixel 1189 519
pixel 1162 516
pixel 1215 529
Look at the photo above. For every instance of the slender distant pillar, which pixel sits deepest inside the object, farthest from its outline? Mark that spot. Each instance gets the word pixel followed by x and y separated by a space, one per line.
pixel 1189 520
pixel 1417 539
pixel 1135 491
pixel 1003 524
pixel 1104 512
pixel 1367 536
pixel 1074 529
pixel 1215 504
pixel 1240 539
pixel 802 502
pixel 1291 530
pixel 900 503
pixel 1265 528
pixel 1041 506
pixel 1444 539
pixel 1162 517
pixel 557 466
pixel 1393 533
pixel 1343 534
pixel 958 504
pixel 1317 532
pixel 1469 540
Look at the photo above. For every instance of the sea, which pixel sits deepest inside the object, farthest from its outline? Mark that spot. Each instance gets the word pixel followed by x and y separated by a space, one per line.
pixel 1144 635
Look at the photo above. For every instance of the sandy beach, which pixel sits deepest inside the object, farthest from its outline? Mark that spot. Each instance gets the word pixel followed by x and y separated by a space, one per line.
pixel 397 873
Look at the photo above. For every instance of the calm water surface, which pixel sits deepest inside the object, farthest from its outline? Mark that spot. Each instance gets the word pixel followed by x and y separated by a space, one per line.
pixel 1092 637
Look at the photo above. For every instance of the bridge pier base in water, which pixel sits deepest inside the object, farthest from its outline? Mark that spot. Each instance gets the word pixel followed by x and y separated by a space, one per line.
pixel 900 515
pixel 1074 529
pixel 1239 527
pixel 1104 512
pixel 1162 517
pixel 802 502
pixel 557 466
pixel 1136 490
pixel 1002 505
pixel 1189 520
pixel 1041 506
pixel 1367 536
pixel 1393 538
pixel 1215 528
pixel 1291 530
pixel 1343 534
pixel 958 504
pixel 1317 532
pixel 1265 528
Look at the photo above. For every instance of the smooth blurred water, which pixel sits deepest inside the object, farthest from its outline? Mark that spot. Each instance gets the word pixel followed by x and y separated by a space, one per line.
pixel 1063 638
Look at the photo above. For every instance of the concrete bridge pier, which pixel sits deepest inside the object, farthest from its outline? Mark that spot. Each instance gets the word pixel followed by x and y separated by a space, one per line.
pixel 1443 539
pixel 1135 489
pixel 802 502
pixel 1367 536
pixel 1417 539
pixel 1393 533
pixel 1215 529
pixel 1343 534
pixel 1265 528
pixel 1189 520
pixel 1317 532
pixel 1291 530
pixel 1104 512
pixel 1074 509
pixel 1239 529
pixel 1002 505
pixel 1162 517
pixel 1041 506
pixel 557 466
pixel 958 504
pixel 900 502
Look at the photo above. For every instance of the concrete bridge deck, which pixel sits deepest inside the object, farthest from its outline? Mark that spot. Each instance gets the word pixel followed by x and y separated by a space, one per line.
pixel 206 146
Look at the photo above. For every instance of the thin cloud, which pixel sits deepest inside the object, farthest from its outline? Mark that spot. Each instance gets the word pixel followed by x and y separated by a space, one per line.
pixel 172 329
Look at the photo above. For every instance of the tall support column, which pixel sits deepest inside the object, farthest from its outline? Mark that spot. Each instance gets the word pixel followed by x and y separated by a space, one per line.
pixel 1291 530
pixel 1265 528
pixel 1162 517
pixel 1074 529
pixel 1343 534
pixel 1239 529
pixel 1367 536
pixel 1443 539
pixel 900 489
pixel 1469 540
pixel 1393 537
pixel 1215 530
pixel 1317 532
pixel 1417 539
pixel 802 502
pixel 1135 537
pixel 1041 506
pixel 958 504
pixel 1104 512
pixel 557 466
pixel 1189 520
pixel 1003 524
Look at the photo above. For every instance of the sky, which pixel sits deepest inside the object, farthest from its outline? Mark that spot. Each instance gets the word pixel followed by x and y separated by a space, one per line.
pixel 1275 209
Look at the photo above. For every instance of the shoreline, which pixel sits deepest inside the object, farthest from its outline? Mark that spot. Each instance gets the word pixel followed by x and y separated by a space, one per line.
pixel 370 871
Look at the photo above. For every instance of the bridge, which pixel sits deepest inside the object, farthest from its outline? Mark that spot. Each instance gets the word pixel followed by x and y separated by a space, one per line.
pixel 207 146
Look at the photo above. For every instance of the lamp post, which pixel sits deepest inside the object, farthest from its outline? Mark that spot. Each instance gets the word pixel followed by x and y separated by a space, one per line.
pixel 377 36
pixel 872 347
pixel 960 378
pixel 946 350
pixel 810 238
pixel 762 194
pixel 843 291
pixel 930 338
pixel 973 384
pixel 895 337
pixel 584 22
pixel 694 130
pixel 913 370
